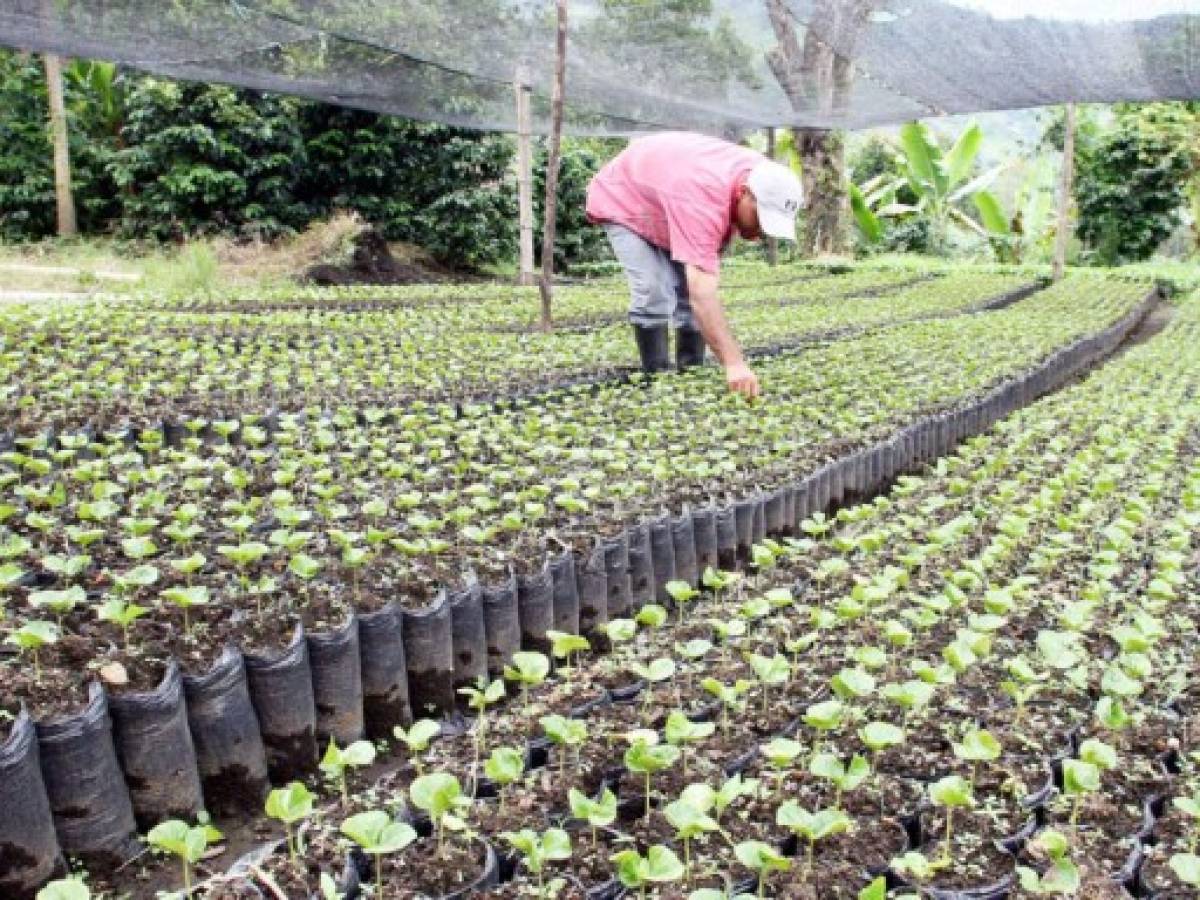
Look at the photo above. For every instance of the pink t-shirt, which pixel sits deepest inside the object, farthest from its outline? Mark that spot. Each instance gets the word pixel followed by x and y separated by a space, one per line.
pixel 677 191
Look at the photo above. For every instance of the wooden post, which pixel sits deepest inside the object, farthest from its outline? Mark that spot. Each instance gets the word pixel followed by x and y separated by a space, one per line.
pixel 523 92
pixel 1066 187
pixel 67 226
pixel 772 244
pixel 552 162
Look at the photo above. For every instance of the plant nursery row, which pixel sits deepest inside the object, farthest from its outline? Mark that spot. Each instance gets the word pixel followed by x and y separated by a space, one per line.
pixel 539 646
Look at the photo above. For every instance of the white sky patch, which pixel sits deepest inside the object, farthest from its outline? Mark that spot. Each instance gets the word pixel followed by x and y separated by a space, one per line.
pixel 1081 10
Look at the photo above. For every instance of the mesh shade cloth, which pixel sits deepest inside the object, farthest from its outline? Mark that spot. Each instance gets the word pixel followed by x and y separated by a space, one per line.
pixel 722 67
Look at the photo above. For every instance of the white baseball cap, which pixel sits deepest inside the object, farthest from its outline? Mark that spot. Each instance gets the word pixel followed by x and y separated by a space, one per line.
pixel 779 196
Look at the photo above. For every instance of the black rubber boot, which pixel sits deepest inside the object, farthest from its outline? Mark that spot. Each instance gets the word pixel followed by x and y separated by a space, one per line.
pixel 689 348
pixel 653 347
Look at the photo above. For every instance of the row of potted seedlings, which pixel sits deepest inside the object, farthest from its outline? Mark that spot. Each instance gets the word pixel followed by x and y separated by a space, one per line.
pixel 144 366
pixel 228 681
pixel 922 702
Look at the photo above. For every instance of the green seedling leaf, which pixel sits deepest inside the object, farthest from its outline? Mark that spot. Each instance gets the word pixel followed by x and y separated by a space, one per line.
pixel 65 889
pixel 377 833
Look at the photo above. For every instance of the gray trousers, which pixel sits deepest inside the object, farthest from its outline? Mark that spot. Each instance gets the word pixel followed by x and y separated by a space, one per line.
pixel 657 284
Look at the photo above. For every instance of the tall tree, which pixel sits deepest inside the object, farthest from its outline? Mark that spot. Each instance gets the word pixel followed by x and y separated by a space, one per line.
pixel 817 78
pixel 64 197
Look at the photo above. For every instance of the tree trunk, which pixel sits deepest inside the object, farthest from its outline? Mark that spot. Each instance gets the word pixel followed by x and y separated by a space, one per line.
pixel 822 160
pixel 552 164
pixel 817 80
pixel 67 226
pixel 525 176
pixel 1066 187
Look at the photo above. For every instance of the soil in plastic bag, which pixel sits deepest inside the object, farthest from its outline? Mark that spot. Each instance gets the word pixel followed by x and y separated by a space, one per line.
pixel 92 812
pixel 566 592
pixel 535 607
pixel 229 747
pixel 281 690
pixel 337 683
pixel 502 623
pixel 384 671
pixel 29 853
pixel 154 746
pixel 468 635
pixel 429 652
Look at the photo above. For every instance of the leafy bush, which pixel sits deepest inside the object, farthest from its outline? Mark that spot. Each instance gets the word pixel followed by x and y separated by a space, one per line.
pixel 201 159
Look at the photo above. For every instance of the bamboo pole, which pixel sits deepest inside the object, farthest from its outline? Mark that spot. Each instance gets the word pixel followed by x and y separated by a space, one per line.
pixel 1065 189
pixel 65 199
pixel 523 90
pixel 552 164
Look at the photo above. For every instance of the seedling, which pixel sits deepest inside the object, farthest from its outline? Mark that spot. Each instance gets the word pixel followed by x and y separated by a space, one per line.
pixel 122 613
pixel 843 777
pixel 417 738
pixel 647 758
pixel 567 734
pixel 337 762
pixel 1062 877
pixel 730 696
pixel 651 616
pixel 654 672
pixel 479 699
pixel 826 716
pixel 769 670
pixel 65 889
pixel 503 767
pixel 951 793
pixel 1186 867
pixel 290 805
pixel 61 603
pixel 731 790
pixel 812 827
pixel 977 746
pixel 186 598
pixel 681 731
pixel 440 796
pixel 378 834
pixel 1080 779
pixel 536 850
pixel 683 594
pixel 660 865
pixel 781 753
pixel 32 637
pixel 1190 807
pixel 529 669
pixel 563 646
pixel 880 736
pixel 597 813
pixel 689 820
pixel 188 843
pixel 762 859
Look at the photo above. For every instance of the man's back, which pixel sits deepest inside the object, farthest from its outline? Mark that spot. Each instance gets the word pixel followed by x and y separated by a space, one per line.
pixel 677 191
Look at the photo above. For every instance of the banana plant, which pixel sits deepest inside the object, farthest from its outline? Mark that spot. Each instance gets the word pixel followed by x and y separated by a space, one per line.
pixel 943 186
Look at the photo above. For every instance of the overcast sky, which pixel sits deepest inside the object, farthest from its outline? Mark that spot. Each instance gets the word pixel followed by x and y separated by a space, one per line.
pixel 1080 10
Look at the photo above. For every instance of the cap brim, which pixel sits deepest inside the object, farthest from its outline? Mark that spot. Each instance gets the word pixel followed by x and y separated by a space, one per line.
pixel 777 224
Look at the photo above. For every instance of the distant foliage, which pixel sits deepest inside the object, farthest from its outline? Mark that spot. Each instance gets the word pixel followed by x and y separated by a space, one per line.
pixel 576 241
pixel 165 160
pixel 1130 190
pixel 27 208
pixel 203 159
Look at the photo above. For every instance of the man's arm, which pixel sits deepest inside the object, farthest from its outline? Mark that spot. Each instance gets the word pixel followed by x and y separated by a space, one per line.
pixel 710 317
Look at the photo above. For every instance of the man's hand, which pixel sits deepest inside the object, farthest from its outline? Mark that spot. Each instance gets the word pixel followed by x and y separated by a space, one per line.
pixel 741 378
